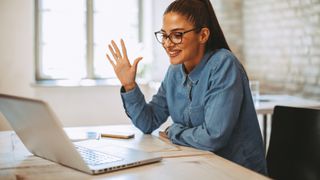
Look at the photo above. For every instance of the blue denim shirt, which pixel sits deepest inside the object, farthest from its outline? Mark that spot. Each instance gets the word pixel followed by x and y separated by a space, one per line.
pixel 211 108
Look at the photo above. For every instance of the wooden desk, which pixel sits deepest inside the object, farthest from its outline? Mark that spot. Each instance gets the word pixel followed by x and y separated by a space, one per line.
pixel 268 102
pixel 178 162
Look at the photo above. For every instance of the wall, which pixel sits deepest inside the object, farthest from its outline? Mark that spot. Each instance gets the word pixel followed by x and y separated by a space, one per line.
pixel 16 49
pixel 161 60
pixel 16 46
pixel 229 15
pixel 282 45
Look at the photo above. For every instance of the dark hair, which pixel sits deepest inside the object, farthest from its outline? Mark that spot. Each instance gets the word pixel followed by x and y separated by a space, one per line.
pixel 201 14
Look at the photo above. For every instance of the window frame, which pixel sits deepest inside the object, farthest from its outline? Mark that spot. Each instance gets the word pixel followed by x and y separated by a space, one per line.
pixel 40 77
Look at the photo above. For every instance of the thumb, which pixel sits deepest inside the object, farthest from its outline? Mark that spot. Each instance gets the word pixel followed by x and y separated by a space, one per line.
pixel 135 63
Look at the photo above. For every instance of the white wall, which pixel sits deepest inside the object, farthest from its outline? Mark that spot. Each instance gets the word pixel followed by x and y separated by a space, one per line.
pixel 75 106
pixel 16 49
pixel 161 60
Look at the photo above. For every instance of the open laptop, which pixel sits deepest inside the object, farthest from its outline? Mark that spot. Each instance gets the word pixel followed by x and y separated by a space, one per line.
pixel 42 133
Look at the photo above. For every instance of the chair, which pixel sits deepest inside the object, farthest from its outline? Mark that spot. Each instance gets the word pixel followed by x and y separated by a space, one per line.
pixel 294 149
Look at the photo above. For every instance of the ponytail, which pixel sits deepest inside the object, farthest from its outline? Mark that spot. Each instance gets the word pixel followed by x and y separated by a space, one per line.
pixel 216 39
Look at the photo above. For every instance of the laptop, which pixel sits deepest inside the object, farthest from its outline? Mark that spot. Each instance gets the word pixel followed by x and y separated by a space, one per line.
pixel 42 134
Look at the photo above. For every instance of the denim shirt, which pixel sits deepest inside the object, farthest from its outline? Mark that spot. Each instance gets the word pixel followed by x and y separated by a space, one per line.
pixel 211 108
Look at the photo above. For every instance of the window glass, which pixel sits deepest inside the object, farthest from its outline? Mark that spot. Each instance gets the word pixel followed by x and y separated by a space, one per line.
pixel 62 41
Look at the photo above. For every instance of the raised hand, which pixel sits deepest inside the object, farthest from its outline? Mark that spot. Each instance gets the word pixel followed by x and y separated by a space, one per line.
pixel 125 72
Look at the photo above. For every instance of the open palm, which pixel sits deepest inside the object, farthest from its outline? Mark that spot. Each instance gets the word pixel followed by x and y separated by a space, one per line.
pixel 125 72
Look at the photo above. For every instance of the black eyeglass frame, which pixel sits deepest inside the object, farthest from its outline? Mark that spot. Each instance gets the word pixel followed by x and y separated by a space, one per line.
pixel 170 35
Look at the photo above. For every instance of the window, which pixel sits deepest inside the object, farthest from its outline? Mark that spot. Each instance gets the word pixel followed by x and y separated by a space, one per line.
pixel 72 37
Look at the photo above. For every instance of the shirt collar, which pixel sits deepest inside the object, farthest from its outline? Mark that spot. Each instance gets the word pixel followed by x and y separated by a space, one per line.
pixel 194 75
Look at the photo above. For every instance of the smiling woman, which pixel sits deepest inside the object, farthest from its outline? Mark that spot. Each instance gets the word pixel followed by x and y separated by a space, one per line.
pixel 205 91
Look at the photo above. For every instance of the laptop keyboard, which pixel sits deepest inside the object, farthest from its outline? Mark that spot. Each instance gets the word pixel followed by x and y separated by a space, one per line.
pixel 92 157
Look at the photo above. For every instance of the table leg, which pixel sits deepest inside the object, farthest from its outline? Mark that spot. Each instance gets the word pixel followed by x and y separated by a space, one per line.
pixel 265 119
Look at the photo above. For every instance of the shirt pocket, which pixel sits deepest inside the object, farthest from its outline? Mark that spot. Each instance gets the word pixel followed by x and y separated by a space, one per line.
pixel 196 115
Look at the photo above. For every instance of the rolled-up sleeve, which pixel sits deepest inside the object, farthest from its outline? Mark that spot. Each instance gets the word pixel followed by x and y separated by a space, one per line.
pixel 222 105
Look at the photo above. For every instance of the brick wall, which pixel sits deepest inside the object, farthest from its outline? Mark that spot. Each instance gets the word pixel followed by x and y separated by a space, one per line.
pixel 281 45
pixel 229 14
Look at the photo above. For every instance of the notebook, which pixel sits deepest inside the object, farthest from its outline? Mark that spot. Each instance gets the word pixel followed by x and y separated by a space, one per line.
pixel 42 133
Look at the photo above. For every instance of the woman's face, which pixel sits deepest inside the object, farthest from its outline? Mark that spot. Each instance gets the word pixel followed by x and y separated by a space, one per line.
pixel 191 49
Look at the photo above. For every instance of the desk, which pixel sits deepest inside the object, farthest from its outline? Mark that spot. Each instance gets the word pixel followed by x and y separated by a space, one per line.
pixel 178 163
pixel 268 102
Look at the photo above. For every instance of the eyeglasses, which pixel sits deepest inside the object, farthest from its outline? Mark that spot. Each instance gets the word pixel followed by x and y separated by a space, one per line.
pixel 174 37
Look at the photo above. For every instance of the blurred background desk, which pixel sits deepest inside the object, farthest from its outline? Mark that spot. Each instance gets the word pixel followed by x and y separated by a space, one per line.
pixel 267 103
pixel 178 163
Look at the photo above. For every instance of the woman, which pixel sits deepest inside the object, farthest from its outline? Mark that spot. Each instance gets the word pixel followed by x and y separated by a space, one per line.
pixel 205 90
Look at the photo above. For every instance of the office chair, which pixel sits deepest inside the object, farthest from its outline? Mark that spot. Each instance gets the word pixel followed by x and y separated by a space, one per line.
pixel 294 148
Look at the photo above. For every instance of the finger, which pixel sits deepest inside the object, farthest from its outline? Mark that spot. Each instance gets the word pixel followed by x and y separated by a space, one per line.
pixel 135 63
pixel 116 49
pixel 111 62
pixel 124 50
pixel 113 53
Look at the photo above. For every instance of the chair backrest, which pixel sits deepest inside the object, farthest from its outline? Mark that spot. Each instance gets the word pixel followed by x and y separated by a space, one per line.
pixel 294 148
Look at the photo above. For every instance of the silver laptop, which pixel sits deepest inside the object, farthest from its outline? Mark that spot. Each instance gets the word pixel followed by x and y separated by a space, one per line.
pixel 41 132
